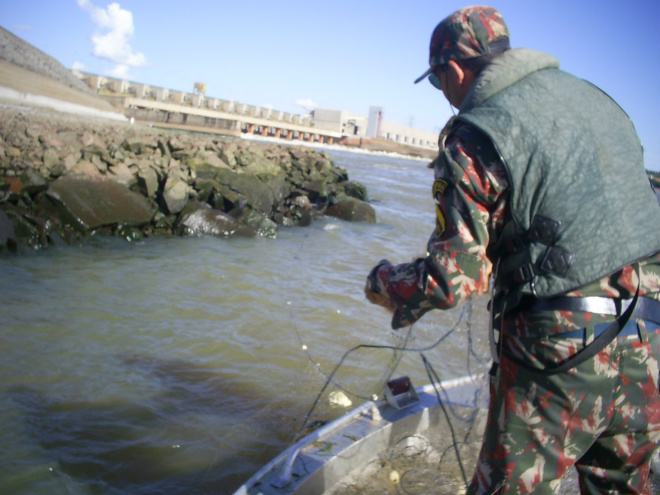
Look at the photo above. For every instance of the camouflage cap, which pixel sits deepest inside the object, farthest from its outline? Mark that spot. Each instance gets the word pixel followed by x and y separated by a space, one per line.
pixel 467 33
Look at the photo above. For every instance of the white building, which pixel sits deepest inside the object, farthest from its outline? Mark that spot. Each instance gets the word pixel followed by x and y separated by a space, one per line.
pixel 346 123
pixel 375 126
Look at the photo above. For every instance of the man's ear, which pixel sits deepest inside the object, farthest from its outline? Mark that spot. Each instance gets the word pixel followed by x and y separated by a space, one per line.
pixel 456 73
pixel 461 80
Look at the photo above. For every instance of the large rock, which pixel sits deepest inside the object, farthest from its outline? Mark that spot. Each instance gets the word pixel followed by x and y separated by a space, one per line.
pixel 253 162
pixel 356 190
pixel 33 183
pixel 7 236
pixel 205 164
pixel 123 174
pixel 263 195
pixel 352 210
pixel 93 203
pixel 175 194
pixel 260 223
pixel 147 181
pixel 200 219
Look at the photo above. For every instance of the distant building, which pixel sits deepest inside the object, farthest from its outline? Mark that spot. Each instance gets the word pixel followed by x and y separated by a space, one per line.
pixel 375 126
pixel 118 86
pixel 140 90
pixel 346 123
pixel 97 83
pixel 333 124
pixel 161 94
pixel 375 122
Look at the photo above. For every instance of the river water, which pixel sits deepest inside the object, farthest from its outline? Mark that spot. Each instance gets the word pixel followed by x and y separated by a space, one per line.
pixel 181 366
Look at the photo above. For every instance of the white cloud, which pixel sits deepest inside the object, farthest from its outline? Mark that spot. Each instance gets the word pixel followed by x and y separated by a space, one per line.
pixel 120 71
pixel 79 66
pixel 306 103
pixel 115 29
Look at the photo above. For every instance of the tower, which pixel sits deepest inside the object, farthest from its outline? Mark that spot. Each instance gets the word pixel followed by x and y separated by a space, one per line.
pixel 374 123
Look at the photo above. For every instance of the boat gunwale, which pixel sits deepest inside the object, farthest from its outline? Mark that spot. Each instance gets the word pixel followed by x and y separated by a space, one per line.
pixel 286 458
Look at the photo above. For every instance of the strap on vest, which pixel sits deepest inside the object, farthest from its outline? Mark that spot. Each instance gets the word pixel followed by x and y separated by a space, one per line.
pixel 542 229
pixel 646 309
pixel 649 310
pixel 556 260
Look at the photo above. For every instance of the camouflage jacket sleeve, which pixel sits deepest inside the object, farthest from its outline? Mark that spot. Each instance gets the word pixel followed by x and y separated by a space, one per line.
pixel 469 190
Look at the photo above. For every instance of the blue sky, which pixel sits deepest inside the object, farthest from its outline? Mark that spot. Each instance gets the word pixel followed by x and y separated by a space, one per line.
pixel 347 54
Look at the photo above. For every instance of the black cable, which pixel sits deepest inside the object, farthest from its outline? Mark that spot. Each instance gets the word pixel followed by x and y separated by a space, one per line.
pixel 368 346
pixel 433 377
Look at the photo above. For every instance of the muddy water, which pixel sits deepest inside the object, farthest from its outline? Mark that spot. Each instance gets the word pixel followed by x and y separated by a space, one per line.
pixel 182 365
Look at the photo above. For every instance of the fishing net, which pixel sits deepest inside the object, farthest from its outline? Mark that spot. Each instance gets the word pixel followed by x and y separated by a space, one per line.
pixel 426 462
pixel 439 459
pixel 434 460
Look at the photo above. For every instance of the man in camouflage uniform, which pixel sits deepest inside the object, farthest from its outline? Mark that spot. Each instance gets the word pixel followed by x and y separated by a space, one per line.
pixel 540 180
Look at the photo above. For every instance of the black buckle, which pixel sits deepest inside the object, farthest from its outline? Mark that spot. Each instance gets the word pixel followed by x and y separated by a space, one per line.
pixel 557 260
pixel 517 244
pixel 525 273
pixel 543 230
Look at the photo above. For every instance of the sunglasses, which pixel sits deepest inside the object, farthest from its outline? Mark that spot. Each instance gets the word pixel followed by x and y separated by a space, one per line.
pixel 435 80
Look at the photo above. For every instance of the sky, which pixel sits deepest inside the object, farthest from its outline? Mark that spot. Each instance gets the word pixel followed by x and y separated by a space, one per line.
pixel 296 55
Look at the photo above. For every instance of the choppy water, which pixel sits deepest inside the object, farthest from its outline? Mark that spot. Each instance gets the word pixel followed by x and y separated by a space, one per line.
pixel 182 365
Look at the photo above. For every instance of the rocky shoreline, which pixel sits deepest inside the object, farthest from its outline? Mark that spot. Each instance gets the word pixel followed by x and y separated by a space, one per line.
pixel 64 178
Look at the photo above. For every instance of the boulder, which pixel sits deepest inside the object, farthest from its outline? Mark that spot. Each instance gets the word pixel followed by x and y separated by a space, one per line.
pixel 356 190
pixel 51 159
pixel 263 195
pixel 258 222
pixel 317 190
pixel 147 181
pixel 123 174
pixel 23 230
pixel 175 194
pixel 7 236
pixel 139 145
pixel 253 162
pixel 33 183
pixel 71 159
pixel 174 144
pixel 201 219
pixel 92 203
pixel 205 164
pixel 84 169
pixel 352 210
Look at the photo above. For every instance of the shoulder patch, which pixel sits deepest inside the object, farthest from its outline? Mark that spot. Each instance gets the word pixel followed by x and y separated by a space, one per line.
pixel 440 222
pixel 440 186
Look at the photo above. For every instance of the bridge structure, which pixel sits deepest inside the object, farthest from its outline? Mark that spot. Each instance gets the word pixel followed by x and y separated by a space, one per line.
pixel 195 111
pixel 224 118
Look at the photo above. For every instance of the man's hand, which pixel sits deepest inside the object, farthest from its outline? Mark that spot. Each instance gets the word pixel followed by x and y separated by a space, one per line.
pixel 378 299
pixel 371 289
pixel 484 287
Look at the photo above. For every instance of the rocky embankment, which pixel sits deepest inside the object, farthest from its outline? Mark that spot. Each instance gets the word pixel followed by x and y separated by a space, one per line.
pixel 64 178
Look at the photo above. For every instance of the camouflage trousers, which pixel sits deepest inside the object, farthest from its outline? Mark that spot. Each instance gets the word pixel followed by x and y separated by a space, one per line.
pixel 603 416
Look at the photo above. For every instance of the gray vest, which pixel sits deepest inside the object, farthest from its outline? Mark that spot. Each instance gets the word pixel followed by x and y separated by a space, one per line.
pixel 581 203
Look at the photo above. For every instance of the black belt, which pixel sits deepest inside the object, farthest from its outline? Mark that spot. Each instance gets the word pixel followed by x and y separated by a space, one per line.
pixel 645 309
pixel 628 330
pixel 624 309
